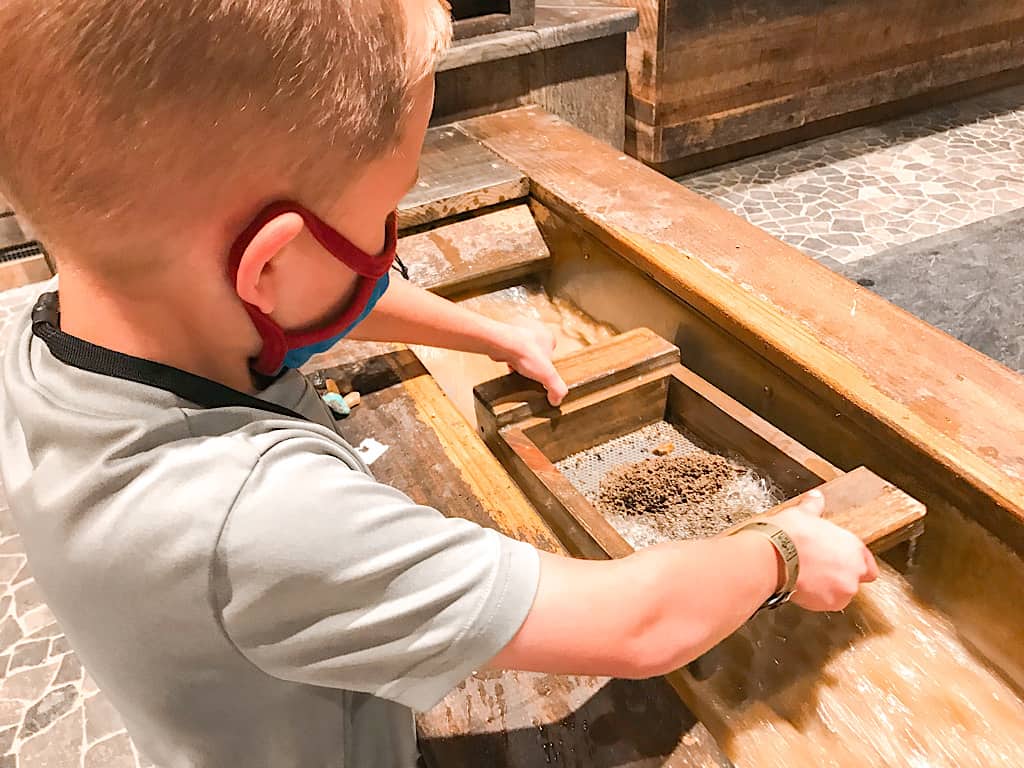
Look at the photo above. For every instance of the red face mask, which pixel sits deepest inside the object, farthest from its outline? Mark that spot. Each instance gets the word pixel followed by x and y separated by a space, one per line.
pixel 282 348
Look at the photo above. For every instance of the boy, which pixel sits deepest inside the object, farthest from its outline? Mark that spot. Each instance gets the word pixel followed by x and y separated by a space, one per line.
pixel 215 179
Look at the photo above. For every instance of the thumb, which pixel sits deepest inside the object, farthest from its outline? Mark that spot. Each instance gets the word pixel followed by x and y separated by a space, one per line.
pixel 813 503
pixel 556 387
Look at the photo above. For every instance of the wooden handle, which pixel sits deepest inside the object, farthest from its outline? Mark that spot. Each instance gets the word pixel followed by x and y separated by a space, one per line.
pixel 876 511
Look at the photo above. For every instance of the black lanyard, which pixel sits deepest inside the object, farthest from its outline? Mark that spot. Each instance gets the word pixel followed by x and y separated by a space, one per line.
pixel 78 353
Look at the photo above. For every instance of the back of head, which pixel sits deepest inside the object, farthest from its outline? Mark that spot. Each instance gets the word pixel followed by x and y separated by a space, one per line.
pixel 123 120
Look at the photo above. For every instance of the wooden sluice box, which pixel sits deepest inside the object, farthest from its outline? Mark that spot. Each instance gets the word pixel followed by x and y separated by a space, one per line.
pixel 631 399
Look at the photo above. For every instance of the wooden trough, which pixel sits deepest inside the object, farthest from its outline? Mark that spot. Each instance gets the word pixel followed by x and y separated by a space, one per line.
pixel 873 406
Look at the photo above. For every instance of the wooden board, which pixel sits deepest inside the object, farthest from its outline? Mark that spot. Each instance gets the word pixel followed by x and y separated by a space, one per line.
pixel 457 175
pixel 574 68
pixel 714 75
pixel 514 720
pixel 481 17
pixel 483 252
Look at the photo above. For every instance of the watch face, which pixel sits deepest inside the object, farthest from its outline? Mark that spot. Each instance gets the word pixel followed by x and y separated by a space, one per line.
pixel 786 546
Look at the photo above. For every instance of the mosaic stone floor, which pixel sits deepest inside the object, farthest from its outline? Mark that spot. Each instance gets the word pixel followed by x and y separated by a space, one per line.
pixel 859 192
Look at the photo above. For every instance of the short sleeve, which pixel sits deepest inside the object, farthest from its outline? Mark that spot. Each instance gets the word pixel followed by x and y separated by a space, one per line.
pixel 326 577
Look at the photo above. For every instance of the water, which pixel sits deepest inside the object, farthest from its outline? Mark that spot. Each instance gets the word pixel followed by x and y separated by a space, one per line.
pixel 887 683
pixel 458 372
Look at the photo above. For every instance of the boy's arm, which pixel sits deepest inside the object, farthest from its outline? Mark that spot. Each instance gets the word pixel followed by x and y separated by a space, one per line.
pixel 662 607
pixel 411 315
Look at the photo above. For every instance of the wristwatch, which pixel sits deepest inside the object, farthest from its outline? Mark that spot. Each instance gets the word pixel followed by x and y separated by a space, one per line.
pixel 787 551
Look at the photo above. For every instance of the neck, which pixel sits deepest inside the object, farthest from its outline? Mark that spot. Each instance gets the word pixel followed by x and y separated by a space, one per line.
pixel 181 318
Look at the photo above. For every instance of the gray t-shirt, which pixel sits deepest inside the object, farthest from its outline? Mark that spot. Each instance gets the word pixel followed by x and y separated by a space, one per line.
pixel 235 580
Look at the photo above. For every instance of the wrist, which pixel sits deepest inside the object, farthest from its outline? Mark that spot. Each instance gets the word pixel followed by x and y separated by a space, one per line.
pixel 502 340
pixel 765 561
pixel 786 553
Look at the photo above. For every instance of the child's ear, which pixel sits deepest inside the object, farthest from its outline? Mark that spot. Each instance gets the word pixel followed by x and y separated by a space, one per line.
pixel 255 280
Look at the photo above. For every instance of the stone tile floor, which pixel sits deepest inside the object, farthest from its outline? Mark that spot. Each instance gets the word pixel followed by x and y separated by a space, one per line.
pixel 858 192
pixel 932 199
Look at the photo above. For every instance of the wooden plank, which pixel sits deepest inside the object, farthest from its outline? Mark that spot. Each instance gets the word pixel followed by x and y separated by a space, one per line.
pixel 713 75
pixel 602 416
pixel 681 137
pixel 719 420
pixel 875 511
pixel 572 63
pixel 485 252
pixel 479 17
pixel 628 355
pixel 457 175
pixel 947 418
pixel 512 719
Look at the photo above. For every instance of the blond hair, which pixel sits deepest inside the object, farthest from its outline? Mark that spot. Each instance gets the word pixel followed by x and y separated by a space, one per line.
pixel 119 118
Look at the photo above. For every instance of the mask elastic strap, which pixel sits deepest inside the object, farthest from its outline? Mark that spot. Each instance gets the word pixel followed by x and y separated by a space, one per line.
pixel 277 342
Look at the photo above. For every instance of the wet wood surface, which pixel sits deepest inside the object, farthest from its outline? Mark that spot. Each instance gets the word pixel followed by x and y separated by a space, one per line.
pixel 916 406
pixel 511 719
pixel 489 251
pixel 457 175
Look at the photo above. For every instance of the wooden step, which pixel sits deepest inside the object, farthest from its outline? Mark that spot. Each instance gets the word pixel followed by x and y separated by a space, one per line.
pixel 458 175
pixel 481 253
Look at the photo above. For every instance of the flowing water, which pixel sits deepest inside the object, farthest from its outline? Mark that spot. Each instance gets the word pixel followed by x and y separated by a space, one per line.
pixel 458 372
pixel 889 682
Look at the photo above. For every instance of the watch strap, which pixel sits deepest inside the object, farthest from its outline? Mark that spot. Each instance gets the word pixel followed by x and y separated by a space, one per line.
pixel 787 551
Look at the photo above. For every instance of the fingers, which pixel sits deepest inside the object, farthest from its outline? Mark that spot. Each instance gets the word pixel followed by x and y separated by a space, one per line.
pixel 813 503
pixel 556 387
pixel 870 566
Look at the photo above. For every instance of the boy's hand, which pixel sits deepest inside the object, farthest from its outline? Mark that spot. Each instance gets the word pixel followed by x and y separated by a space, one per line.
pixel 527 349
pixel 833 562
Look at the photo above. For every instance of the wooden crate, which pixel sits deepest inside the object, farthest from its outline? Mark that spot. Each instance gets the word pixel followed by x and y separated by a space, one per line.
pixel 634 380
pixel 481 17
pixel 711 81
